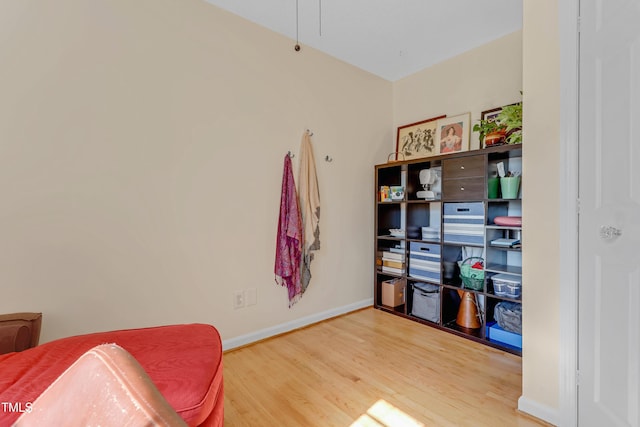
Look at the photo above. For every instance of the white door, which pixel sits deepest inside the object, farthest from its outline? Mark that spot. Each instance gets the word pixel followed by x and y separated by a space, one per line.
pixel 609 259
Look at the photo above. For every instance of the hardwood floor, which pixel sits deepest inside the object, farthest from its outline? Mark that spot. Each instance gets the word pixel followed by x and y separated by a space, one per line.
pixel 370 368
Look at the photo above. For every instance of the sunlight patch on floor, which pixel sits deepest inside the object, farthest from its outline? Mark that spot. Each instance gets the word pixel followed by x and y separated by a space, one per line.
pixel 384 414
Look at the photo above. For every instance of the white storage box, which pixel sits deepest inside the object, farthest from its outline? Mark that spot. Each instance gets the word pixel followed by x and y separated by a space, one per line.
pixel 507 285
pixel 464 223
pixel 430 233
pixel 424 261
pixel 397 192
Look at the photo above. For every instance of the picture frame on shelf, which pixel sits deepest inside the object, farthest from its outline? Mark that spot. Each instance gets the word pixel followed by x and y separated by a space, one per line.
pixel 492 135
pixel 490 115
pixel 452 134
pixel 417 140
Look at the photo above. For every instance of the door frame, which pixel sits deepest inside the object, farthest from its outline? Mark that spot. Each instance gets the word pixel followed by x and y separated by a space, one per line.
pixel 568 24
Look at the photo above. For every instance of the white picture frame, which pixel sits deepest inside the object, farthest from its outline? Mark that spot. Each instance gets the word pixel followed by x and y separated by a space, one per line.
pixel 452 135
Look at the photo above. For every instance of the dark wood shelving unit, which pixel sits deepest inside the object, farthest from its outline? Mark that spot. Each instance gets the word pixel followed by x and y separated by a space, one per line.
pixel 462 181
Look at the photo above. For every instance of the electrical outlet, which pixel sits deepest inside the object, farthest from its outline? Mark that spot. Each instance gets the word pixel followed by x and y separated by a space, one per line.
pixel 238 299
pixel 251 296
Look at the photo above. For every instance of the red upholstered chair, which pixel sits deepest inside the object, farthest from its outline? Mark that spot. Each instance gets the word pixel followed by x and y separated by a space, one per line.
pixel 182 362
pixel 106 386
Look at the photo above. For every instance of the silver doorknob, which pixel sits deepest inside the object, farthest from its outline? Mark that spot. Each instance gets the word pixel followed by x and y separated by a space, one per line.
pixel 609 233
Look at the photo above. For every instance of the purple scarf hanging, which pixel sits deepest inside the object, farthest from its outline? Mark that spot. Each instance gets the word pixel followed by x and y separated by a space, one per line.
pixel 289 238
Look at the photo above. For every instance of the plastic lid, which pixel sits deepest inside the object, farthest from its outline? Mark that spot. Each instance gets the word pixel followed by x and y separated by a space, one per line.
pixel 503 277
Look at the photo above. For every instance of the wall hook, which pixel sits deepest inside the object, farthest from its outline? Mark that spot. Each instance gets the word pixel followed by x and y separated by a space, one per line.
pixel 309 132
pixel 290 154
pixel 328 159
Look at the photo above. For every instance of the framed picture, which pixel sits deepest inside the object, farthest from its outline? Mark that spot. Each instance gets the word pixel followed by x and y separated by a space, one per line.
pixel 452 135
pixel 417 139
pixel 492 138
pixel 490 115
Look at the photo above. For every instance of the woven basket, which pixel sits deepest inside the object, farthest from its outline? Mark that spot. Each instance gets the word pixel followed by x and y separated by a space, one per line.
pixel 472 278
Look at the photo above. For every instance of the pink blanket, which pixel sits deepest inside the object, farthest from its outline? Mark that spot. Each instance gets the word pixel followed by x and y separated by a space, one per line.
pixel 289 238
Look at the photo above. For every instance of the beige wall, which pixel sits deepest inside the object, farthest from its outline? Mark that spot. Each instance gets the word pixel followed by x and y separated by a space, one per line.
pixel 141 148
pixel 480 79
pixel 141 153
pixel 490 76
pixel 541 206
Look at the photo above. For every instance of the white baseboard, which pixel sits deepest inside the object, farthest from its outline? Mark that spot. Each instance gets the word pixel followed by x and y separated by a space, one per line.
pixel 538 410
pixel 294 324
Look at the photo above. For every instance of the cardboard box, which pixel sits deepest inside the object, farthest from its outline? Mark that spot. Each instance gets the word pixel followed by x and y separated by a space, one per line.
pixel 393 292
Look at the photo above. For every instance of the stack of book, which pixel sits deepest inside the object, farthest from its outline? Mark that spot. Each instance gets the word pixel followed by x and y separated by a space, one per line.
pixel 507 243
pixel 393 261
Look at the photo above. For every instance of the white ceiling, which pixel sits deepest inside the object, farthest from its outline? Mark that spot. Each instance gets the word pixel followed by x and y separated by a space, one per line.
pixel 389 38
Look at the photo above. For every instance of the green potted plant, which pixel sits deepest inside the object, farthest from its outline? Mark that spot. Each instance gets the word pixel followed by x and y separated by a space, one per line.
pixel 511 119
pixel 490 131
